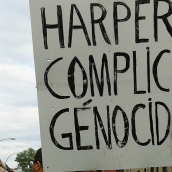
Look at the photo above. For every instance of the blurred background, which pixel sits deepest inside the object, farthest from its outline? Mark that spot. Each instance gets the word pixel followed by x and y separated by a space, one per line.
pixel 18 98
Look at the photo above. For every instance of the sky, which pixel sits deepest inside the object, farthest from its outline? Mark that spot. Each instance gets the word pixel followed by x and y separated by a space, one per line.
pixel 19 117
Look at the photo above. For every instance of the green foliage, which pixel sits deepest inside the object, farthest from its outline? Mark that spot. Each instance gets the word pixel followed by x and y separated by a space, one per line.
pixel 24 157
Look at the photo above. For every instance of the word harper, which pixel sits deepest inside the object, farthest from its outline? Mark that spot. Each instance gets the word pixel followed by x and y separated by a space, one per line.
pixel 99 21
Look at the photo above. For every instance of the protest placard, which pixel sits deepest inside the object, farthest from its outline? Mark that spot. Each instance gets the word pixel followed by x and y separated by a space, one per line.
pixel 104 80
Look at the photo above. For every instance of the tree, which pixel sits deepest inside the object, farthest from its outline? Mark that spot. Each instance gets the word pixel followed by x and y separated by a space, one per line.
pixel 24 157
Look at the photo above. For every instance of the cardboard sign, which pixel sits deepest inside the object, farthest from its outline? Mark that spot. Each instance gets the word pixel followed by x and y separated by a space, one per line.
pixel 104 80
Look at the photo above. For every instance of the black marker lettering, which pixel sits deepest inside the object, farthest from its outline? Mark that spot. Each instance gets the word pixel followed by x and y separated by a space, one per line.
pixel 98 118
pixel 99 21
pixel 66 135
pixel 100 84
pixel 127 59
pixel 116 20
pixel 47 84
pixel 159 142
pixel 46 26
pixel 79 128
pixel 135 75
pixel 163 17
pixel 122 143
pixel 155 70
pixel 151 120
pixel 71 26
pixel 148 70
pixel 137 18
pixel 135 109
pixel 71 78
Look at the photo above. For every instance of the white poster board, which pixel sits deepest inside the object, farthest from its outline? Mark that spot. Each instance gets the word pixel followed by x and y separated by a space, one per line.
pixel 104 81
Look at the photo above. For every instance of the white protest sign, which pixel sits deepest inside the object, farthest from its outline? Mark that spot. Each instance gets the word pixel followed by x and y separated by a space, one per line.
pixel 104 81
